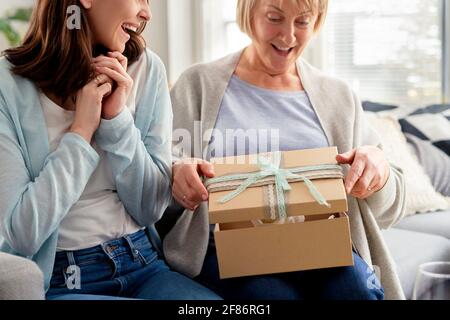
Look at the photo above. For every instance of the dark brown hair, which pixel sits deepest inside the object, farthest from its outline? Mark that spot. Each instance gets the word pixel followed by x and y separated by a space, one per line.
pixel 56 58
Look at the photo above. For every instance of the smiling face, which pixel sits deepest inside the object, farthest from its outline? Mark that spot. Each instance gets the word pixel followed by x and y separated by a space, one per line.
pixel 281 32
pixel 112 21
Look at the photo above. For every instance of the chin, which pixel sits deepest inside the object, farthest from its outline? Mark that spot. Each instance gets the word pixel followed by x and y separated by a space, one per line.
pixel 117 46
pixel 120 48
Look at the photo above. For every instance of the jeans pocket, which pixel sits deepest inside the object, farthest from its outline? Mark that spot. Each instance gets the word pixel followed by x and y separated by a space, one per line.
pixel 147 255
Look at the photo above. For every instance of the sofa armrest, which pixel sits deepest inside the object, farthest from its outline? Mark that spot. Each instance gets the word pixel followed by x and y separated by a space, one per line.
pixel 20 279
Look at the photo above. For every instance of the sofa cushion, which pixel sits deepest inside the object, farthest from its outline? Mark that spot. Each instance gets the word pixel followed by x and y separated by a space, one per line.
pixel 431 124
pixel 421 195
pixel 437 223
pixel 377 107
pixel 410 249
pixel 435 163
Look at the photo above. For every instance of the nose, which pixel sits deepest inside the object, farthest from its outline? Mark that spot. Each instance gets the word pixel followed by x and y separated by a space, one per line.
pixel 145 13
pixel 288 34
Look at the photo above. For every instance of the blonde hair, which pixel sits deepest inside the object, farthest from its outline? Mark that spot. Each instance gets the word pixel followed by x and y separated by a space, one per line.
pixel 244 12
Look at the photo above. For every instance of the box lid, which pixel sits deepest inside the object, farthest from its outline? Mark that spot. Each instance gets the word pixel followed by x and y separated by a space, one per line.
pixel 252 204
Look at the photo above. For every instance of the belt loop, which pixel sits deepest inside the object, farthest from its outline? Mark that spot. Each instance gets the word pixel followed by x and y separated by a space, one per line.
pixel 71 258
pixel 72 274
pixel 133 249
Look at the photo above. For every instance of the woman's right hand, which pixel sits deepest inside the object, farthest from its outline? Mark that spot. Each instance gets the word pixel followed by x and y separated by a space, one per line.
pixel 188 189
pixel 89 106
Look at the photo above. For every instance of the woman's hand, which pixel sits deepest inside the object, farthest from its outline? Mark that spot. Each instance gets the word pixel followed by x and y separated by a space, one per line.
pixel 369 171
pixel 188 188
pixel 115 67
pixel 89 107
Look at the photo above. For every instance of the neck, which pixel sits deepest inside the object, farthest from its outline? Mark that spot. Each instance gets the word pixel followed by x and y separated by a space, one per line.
pixel 67 104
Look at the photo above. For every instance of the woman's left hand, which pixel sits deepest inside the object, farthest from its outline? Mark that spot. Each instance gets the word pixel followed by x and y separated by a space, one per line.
pixel 114 66
pixel 369 171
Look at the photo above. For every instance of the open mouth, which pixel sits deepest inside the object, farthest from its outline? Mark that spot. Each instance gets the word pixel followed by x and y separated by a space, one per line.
pixel 282 51
pixel 129 28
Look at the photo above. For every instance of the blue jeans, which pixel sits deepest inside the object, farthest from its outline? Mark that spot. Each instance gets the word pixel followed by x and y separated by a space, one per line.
pixel 122 269
pixel 344 283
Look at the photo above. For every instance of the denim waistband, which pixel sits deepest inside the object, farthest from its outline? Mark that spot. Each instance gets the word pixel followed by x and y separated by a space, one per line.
pixel 112 248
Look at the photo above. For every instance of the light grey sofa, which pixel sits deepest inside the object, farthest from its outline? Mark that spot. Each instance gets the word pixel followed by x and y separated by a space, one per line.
pixel 20 279
pixel 418 239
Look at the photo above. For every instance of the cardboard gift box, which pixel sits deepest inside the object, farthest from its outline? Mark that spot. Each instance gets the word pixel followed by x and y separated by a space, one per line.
pixel 271 186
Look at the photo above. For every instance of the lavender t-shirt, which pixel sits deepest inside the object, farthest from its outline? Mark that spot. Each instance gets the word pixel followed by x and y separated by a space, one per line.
pixel 255 120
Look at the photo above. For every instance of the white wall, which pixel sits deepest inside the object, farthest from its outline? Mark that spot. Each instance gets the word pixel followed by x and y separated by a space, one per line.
pixel 174 34
pixel 157 30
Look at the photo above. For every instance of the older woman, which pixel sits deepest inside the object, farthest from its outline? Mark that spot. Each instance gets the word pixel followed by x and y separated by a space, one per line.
pixel 267 86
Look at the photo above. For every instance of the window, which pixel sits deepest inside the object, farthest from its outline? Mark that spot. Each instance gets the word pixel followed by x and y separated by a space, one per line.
pixel 221 35
pixel 388 51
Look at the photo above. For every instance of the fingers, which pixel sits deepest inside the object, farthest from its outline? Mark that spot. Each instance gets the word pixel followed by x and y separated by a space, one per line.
pixel 368 173
pixel 200 193
pixel 112 63
pixel 113 74
pixel 120 57
pixel 355 173
pixel 182 198
pixel 100 80
pixel 346 158
pixel 206 169
pixel 115 67
pixel 188 188
pixel 373 187
pixel 105 89
pixel 365 186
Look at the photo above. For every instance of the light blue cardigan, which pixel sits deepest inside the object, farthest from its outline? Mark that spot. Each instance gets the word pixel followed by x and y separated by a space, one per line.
pixel 37 188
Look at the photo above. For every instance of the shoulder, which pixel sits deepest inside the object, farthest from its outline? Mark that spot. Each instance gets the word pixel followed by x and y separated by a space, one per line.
pixel 215 72
pixel 323 80
pixel 150 65
pixel 7 78
pixel 155 65
pixel 331 96
pixel 154 62
pixel 5 65
pixel 11 84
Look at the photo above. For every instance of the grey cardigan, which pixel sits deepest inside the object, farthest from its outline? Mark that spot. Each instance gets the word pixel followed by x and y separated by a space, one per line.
pixel 197 96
